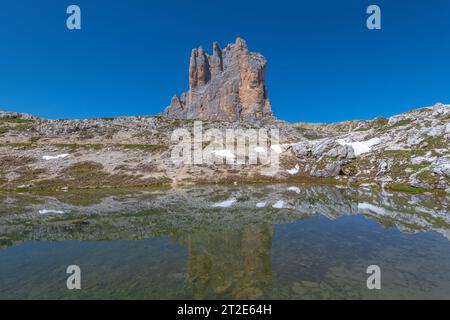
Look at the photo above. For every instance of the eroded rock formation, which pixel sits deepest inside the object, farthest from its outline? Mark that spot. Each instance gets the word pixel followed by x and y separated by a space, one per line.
pixel 229 85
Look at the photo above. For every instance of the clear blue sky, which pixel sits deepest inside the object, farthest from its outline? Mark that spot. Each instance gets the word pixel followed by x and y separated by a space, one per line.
pixel 132 56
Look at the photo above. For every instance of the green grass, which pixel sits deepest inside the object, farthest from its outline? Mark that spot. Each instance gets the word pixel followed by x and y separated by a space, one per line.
pixel 15 128
pixel 156 117
pixel 402 154
pixel 74 146
pixel 312 137
pixel 26 145
pixel 427 176
pixel 437 142
pixel 146 147
pixel 417 167
pixel 380 122
pixel 15 120
pixel 399 187
pixel 93 146
pixel 34 139
pixel 402 123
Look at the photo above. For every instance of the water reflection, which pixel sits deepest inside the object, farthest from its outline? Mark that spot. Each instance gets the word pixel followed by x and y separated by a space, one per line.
pixel 230 263
pixel 317 244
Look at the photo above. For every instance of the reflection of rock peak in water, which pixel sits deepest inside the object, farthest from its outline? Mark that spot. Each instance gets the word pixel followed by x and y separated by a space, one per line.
pixel 229 250
pixel 144 214
pixel 233 262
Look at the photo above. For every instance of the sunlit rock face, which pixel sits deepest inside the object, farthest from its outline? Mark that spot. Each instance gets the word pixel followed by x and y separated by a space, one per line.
pixel 229 85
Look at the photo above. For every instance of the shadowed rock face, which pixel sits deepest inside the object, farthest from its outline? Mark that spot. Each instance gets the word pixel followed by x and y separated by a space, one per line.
pixel 229 85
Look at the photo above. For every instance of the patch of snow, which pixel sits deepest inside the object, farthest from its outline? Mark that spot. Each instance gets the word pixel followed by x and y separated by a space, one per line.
pixel 360 147
pixel 278 205
pixel 371 207
pixel 294 170
pixel 294 189
pixel 277 148
pixel 260 150
pixel 59 156
pixel 46 211
pixel 223 153
pixel 420 160
pixel 425 210
pixel 261 204
pixel 225 204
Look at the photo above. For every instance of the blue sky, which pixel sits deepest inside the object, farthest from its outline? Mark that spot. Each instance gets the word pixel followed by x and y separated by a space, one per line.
pixel 132 56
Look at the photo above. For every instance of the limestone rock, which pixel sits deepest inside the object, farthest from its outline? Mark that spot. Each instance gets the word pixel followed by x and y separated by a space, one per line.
pixel 16 115
pixel 229 85
pixel 324 147
pixel 330 170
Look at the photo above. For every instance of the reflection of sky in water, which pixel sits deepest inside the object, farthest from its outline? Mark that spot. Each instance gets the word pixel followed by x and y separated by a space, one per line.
pixel 235 253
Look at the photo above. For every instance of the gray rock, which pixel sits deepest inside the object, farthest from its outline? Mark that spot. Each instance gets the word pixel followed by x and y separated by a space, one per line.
pixel 441 167
pixel 331 170
pixel 16 115
pixel 385 167
pixel 230 85
pixel 320 148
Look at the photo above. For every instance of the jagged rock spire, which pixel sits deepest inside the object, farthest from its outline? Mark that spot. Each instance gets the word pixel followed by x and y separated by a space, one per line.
pixel 228 85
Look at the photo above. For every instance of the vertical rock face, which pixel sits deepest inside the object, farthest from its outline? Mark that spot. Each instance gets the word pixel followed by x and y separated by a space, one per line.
pixel 229 85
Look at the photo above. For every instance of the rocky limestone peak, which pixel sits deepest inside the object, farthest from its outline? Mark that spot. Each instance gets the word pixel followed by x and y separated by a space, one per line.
pixel 229 85
pixel 241 44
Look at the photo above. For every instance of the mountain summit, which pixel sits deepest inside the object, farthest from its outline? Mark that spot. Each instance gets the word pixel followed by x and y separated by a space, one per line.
pixel 229 85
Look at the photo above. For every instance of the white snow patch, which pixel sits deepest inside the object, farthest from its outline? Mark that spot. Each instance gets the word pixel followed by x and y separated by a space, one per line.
pixel 225 204
pixel 260 150
pixel 360 147
pixel 261 204
pixel 223 153
pixel 294 170
pixel 277 148
pixel 294 189
pixel 46 211
pixel 279 204
pixel 59 156
pixel 420 160
pixel 425 210
pixel 371 207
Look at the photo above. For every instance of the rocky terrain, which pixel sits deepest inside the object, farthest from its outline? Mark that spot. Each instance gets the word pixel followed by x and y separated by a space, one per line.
pixel 227 92
pixel 406 152
pixel 230 85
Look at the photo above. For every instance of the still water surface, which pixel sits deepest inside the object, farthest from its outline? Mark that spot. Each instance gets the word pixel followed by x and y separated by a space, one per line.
pixel 254 242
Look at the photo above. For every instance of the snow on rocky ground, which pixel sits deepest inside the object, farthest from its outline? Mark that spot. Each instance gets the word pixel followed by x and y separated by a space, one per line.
pixel 360 147
pixel 225 204
pixel 410 149
pixel 59 156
